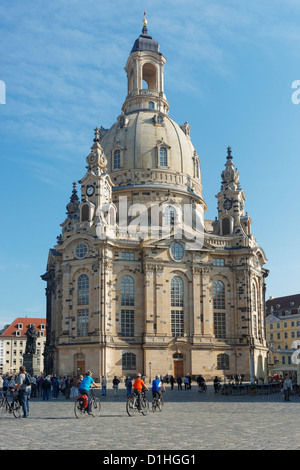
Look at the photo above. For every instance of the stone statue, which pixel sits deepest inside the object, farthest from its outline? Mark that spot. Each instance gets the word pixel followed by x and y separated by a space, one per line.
pixel 31 334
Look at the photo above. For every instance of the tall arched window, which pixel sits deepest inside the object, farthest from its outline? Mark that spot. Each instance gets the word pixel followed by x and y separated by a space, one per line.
pixel 226 226
pixel 85 213
pixel 169 216
pixel 127 300
pixel 117 159
pixel 222 361
pixel 177 322
pixel 254 309
pixel 219 307
pixel 83 285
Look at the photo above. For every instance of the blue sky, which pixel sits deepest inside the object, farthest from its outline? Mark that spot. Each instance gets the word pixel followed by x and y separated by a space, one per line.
pixel 229 73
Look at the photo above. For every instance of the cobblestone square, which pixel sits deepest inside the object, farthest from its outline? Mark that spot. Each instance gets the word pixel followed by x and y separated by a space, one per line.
pixel 189 421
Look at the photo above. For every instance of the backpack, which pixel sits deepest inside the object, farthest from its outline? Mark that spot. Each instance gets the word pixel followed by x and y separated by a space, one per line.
pixel 27 380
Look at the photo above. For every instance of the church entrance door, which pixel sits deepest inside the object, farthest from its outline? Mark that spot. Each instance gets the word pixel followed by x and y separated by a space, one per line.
pixel 80 367
pixel 178 368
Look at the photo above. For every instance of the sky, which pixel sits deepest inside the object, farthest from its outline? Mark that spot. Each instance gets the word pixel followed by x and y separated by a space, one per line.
pixel 230 70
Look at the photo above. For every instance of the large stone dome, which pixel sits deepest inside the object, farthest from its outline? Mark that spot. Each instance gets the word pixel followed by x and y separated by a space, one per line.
pixel 148 148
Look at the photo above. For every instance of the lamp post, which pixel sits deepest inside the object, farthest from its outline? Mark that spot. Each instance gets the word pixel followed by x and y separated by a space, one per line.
pixel 149 372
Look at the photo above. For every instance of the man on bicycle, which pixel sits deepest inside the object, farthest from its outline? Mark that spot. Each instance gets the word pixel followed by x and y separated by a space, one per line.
pixel 138 387
pixel 85 385
pixel 157 388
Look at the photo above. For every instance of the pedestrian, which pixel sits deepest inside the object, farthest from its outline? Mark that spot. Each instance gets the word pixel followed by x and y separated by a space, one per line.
pixel 128 384
pixel 33 387
pixel 172 381
pixel 24 391
pixel 46 387
pixel 190 381
pixel 74 387
pixel 103 385
pixel 116 382
pixel 186 383
pixel 5 383
pixel 55 386
pixel 40 385
pixel 67 388
pixel 179 383
pixel 216 384
pixel 287 387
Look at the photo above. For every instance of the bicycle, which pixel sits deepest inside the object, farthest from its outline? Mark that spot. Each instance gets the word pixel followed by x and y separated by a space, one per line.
pixel 81 405
pixel 202 387
pixel 11 407
pixel 157 403
pixel 132 405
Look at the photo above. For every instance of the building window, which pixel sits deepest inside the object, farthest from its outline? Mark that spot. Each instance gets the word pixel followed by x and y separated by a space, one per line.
pixel 177 251
pixel 163 156
pixel 151 105
pixel 222 361
pixel 117 159
pixel 82 322
pixel 218 262
pixel 83 285
pixel 177 319
pixel 129 361
pixel 85 213
pixel 177 325
pixel 81 250
pixel 127 323
pixel 254 298
pixel 127 291
pixel 169 216
pixel 226 226
pixel 219 304
pixel 127 256
pixel 219 295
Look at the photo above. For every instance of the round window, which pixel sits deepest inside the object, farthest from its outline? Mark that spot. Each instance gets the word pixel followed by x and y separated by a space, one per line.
pixel 81 250
pixel 177 251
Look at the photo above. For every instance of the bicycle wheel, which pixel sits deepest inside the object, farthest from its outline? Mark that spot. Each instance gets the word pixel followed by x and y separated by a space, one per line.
pixel 145 406
pixel 131 407
pixel 154 405
pixel 95 407
pixel 79 409
pixel 16 409
pixel 3 409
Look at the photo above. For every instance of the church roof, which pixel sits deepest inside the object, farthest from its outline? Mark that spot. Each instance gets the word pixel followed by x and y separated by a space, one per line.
pixel 145 43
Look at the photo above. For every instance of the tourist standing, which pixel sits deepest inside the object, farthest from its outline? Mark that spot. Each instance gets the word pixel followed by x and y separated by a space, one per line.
pixel 24 391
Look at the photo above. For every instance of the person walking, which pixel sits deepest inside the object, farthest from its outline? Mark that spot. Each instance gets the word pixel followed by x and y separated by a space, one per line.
pixel 128 384
pixel 179 383
pixel 46 387
pixel 103 385
pixel 287 387
pixel 74 387
pixel 172 381
pixel 116 382
pixel 24 391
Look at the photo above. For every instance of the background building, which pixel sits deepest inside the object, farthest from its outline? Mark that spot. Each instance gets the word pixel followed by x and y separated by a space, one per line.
pixel 14 342
pixel 283 329
pixel 123 298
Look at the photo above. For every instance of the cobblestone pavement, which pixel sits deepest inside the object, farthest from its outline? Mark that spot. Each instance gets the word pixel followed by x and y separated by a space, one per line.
pixel 190 421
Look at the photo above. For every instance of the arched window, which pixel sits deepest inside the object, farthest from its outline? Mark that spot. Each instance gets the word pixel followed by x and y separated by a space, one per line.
pixel 127 291
pixel 226 226
pixel 117 159
pixel 163 156
pixel 219 307
pixel 219 295
pixel 85 213
pixel 127 300
pixel 177 319
pixel 151 105
pixel 129 361
pixel 83 285
pixel 254 297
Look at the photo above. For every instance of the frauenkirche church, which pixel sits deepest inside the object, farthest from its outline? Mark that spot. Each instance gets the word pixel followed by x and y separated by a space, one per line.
pixel 130 287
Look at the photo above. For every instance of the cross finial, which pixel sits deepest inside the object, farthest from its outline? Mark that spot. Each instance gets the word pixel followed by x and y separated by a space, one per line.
pixel 145 30
pixel 229 156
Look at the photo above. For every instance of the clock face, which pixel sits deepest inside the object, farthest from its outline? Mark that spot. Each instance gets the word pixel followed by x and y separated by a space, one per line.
pixel 90 190
pixel 227 204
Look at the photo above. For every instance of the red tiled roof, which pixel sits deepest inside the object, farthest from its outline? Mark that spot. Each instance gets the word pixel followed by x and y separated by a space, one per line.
pixel 284 303
pixel 11 330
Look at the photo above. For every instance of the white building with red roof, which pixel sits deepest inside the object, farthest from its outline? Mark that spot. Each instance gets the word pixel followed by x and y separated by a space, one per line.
pixel 13 340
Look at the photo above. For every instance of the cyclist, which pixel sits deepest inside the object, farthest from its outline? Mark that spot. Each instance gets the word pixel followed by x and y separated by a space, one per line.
pixel 138 387
pixel 85 385
pixel 157 386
